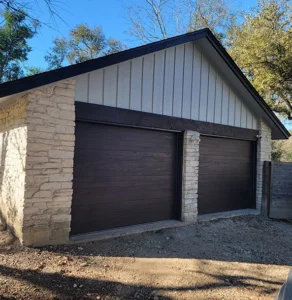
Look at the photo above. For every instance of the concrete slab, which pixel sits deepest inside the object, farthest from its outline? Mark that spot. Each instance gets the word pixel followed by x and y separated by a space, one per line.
pixel 228 214
pixel 118 232
pixel 113 233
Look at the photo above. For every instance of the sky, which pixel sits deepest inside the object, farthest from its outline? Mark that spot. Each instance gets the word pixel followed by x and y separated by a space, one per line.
pixel 110 14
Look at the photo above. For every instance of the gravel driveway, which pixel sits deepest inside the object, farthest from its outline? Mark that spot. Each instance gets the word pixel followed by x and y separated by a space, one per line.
pixel 238 258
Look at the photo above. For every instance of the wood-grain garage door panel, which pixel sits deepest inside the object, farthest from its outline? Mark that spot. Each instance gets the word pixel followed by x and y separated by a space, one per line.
pixel 123 176
pixel 226 177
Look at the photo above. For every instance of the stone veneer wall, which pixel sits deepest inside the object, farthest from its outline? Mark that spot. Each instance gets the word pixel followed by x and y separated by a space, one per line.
pixel 190 176
pixel 264 149
pixel 13 142
pixel 49 164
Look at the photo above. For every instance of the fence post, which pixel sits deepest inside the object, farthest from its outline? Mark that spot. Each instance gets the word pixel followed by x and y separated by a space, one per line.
pixel 266 188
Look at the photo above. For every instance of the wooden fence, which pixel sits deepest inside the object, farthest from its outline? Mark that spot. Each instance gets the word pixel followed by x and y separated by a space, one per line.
pixel 277 190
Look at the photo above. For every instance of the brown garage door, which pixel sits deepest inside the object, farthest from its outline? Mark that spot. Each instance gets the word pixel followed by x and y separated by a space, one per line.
pixel 123 176
pixel 226 175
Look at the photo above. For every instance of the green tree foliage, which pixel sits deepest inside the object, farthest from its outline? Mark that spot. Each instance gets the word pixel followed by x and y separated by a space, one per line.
pixel 14 34
pixel 282 150
pixel 33 71
pixel 84 43
pixel 57 54
pixel 262 47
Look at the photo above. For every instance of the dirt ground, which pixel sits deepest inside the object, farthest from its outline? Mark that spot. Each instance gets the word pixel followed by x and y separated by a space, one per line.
pixel 238 258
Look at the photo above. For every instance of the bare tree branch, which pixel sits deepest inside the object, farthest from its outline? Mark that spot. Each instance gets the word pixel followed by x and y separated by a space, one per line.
pixel 154 20
pixel 53 7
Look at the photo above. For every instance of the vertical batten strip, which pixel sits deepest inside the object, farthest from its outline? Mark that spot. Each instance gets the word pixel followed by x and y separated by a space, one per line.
pixel 110 85
pixel 183 80
pixel 249 119
pixel 255 123
pixel 200 89
pixel 211 94
pixel 215 97
pixel 221 118
pixel 178 82
pixel 238 112
pixel 231 115
pixel 241 105
pixel 130 85
pixel 225 102
pixel 95 86
pixel 208 90
pixel 196 84
pixel 103 75
pixel 163 88
pixel 147 90
pixel 187 82
pixel 234 109
pixel 218 100
pixel 81 90
pixel 87 94
pixel 153 81
pixel 192 79
pixel 123 85
pixel 243 116
pixel 136 83
pixel 168 82
pixel 158 82
pixel 173 82
pixel 228 111
pixel 142 84
pixel 117 85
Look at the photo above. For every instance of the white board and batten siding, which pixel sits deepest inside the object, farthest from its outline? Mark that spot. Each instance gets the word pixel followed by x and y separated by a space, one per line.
pixel 178 82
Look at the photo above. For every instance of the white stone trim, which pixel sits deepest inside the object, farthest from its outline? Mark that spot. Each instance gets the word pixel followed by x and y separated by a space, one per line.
pixel 13 147
pixel 264 149
pixel 49 164
pixel 190 176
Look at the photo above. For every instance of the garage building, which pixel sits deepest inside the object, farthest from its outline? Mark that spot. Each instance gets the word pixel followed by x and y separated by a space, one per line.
pixel 156 135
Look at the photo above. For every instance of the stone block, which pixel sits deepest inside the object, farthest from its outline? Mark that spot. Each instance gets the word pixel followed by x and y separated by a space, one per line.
pixel 65 92
pixel 43 194
pixel 64 129
pixel 61 154
pixel 61 234
pixel 63 192
pixel 61 218
pixel 48 186
pixel 67 115
pixel 61 225
pixel 60 177
pixel 57 204
pixel 50 129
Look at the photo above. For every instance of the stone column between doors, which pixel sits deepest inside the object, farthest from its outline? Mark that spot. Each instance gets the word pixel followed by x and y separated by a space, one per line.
pixel 191 144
